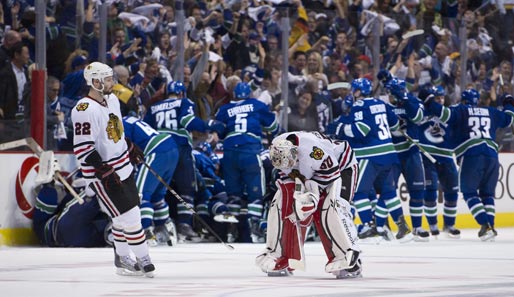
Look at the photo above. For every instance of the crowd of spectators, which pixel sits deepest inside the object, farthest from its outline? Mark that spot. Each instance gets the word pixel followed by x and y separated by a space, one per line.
pixel 240 40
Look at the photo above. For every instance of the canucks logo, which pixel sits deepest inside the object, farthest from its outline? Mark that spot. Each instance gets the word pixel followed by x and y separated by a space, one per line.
pixel 82 106
pixel 316 153
pixel 114 128
pixel 434 133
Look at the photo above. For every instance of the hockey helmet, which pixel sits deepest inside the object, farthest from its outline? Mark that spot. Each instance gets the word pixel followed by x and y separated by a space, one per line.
pixel 470 96
pixel 283 154
pixel 97 70
pixel 363 85
pixel 438 91
pixel 242 90
pixel 176 87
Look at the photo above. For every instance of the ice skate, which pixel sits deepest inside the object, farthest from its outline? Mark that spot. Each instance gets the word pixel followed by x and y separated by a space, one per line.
pixel 162 235
pixel 452 232
pixel 420 235
pixel 125 265
pixel 354 272
pixel 225 218
pixel 187 234
pixel 146 265
pixel 172 231
pixel 404 233
pixel 257 234
pixel 434 231
pixel 151 240
pixel 385 233
pixel 368 230
pixel 486 233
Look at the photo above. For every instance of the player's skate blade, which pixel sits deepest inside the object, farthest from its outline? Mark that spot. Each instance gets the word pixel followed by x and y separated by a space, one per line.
pixel 225 218
pixel 279 273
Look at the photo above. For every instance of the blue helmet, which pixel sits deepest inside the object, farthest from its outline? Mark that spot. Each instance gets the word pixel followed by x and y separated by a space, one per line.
pixel 176 87
pixel 395 84
pixel 471 96
pixel 363 85
pixel 242 90
pixel 438 91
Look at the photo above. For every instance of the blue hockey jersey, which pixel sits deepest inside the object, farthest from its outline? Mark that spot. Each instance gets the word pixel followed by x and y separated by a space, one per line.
pixel 245 121
pixel 410 112
pixel 177 117
pixel 475 127
pixel 369 130
pixel 146 137
pixel 437 139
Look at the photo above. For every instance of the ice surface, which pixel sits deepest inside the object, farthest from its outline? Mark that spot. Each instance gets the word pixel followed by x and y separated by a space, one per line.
pixel 443 267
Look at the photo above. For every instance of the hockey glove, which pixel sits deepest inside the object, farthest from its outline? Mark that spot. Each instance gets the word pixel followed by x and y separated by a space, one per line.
pixel 428 101
pixel 107 176
pixel 507 100
pixel 136 155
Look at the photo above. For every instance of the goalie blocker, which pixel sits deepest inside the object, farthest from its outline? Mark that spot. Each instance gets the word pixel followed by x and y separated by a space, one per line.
pixel 294 207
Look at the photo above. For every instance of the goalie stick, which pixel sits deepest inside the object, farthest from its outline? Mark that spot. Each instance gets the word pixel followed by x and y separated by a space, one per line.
pixel 36 149
pixel 170 189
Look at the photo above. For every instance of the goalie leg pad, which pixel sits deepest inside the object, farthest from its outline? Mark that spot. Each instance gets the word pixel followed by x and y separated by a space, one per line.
pixel 337 231
pixel 284 240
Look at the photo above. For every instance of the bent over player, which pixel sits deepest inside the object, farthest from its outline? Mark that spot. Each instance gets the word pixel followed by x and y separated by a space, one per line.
pixel 106 163
pixel 317 181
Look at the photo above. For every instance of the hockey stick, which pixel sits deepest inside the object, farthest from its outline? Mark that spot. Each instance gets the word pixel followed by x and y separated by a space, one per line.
pixel 36 149
pixel 170 189
pixel 421 149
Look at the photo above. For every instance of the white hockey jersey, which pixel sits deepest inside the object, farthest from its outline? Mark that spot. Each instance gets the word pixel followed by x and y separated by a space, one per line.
pixel 98 127
pixel 320 158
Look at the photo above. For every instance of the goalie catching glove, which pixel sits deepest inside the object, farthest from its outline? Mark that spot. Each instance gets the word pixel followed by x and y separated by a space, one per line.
pixel 306 201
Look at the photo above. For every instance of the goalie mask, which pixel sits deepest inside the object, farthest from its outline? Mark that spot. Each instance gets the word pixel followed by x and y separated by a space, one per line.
pixel 283 154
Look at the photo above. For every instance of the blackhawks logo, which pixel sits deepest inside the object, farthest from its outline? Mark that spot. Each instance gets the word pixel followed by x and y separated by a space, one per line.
pixel 82 106
pixel 316 153
pixel 114 128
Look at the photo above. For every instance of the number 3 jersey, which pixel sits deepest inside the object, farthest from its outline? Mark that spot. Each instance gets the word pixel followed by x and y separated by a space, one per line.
pixel 99 127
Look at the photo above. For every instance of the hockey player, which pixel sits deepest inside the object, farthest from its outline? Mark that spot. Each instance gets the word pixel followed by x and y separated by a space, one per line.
pixel 66 223
pixel 370 137
pixel 409 110
pixel 476 151
pixel 175 115
pixel 161 153
pixel 318 179
pixel 245 119
pixel 437 139
pixel 106 163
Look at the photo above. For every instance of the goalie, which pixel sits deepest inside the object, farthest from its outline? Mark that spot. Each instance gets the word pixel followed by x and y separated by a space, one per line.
pixel 317 181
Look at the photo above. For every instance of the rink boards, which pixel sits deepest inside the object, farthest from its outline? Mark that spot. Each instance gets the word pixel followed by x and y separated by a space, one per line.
pixel 20 169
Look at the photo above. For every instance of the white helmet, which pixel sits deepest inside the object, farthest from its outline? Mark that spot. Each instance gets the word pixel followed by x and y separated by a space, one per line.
pixel 97 70
pixel 283 154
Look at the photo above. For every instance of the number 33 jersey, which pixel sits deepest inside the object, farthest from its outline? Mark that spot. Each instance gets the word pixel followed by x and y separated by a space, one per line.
pixel 99 127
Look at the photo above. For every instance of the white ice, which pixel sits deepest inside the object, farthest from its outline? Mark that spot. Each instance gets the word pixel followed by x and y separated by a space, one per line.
pixel 443 267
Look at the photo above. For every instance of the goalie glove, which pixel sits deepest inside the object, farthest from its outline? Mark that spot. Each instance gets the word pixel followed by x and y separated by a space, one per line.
pixel 48 165
pixel 306 202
